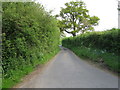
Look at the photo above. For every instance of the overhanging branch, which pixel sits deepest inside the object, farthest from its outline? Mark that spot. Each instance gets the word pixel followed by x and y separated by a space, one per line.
pixel 67 31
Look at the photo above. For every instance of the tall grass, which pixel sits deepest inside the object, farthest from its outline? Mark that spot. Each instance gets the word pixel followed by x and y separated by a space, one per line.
pixel 105 59
pixel 18 74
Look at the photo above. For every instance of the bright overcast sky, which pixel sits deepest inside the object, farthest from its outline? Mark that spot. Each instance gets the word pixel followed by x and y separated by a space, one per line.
pixel 106 10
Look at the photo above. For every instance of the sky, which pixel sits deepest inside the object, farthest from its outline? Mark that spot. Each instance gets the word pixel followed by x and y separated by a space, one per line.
pixel 106 10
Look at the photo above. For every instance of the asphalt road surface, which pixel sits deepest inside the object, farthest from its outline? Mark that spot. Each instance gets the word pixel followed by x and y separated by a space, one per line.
pixel 66 70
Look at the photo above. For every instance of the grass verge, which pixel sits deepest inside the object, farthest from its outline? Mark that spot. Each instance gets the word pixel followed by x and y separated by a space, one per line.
pixel 108 60
pixel 18 74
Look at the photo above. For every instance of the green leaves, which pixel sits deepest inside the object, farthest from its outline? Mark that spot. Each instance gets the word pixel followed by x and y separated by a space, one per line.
pixel 76 18
pixel 94 20
pixel 105 40
pixel 97 46
pixel 29 35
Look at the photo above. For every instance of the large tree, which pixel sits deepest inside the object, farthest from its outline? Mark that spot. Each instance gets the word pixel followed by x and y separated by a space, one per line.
pixel 75 18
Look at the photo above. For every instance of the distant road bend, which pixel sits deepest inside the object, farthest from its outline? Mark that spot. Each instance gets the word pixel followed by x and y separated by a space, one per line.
pixel 66 70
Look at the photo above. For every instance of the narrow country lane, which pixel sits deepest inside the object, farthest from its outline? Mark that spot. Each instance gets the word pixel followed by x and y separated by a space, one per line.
pixel 66 70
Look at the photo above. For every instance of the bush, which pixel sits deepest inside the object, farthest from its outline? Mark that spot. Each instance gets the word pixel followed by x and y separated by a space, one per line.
pixel 105 40
pixel 30 36
pixel 97 46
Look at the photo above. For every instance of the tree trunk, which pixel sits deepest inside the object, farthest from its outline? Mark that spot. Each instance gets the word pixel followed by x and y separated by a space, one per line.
pixel 74 34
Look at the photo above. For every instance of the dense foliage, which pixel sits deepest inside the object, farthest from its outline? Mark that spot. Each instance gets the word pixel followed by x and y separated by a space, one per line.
pixel 101 46
pixel 105 40
pixel 75 18
pixel 30 34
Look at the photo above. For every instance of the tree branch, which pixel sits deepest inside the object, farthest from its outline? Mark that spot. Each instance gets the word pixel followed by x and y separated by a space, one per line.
pixel 67 31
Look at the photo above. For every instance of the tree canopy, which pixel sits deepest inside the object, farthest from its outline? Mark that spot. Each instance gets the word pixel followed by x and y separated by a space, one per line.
pixel 75 18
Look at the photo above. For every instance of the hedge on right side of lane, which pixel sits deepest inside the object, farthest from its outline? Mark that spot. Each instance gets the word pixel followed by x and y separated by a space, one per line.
pixel 101 47
pixel 105 40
